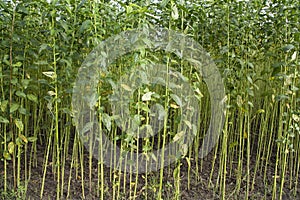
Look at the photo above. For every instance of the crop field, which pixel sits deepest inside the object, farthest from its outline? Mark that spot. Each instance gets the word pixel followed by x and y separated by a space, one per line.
pixel 131 99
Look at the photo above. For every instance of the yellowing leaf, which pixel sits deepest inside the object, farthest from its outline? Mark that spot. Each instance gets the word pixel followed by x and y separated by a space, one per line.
pixel 178 136
pixel 6 155
pixel 19 124
pixel 23 138
pixel 172 105
pixel 11 147
pixel 126 87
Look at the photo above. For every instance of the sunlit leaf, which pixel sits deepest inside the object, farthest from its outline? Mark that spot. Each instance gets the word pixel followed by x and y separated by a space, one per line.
pixel 294 56
pixel 6 155
pixel 172 105
pixel 147 96
pixel 51 93
pixel 174 12
pixel 19 124
pixel 188 123
pixel 18 64
pixel 50 74
pixel 296 118
pixel 178 136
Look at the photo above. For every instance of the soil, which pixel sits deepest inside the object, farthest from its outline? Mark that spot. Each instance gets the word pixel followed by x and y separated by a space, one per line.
pixel 199 185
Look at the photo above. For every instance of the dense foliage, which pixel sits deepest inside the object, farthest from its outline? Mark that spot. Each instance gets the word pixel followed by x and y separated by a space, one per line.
pixel 255 45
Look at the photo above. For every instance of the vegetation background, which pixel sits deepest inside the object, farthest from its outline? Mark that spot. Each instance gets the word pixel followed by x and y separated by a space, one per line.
pixel 255 45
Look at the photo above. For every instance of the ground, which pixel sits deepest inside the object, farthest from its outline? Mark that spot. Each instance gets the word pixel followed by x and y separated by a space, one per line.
pixel 199 186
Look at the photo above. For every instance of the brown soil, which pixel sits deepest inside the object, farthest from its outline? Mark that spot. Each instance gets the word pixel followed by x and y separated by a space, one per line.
pixel 199 188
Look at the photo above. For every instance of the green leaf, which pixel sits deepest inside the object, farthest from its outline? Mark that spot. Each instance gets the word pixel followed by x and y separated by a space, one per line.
pixel 250 92
pixel 41 62
pixel 87 127
pixel 85 25
pixel 3 105
pixel 176 99
pixel 21 9
pixel 3 120
pixel 294 88
pixel 164 3
pixel 278 64
pixel 294 56
pixel 32 97
pixel 260 111
pixel 18 64
pixel 297 37
pixel 188 123
pixel 19 141
pixel 288 47
pixel 43 47
pixel 250 79
pixel 14 107
pixel 21 94
pixel 23 111
pixel 6 155
pixel 106 119
pixel 281 97
pixel 32 139
pixel 25 83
